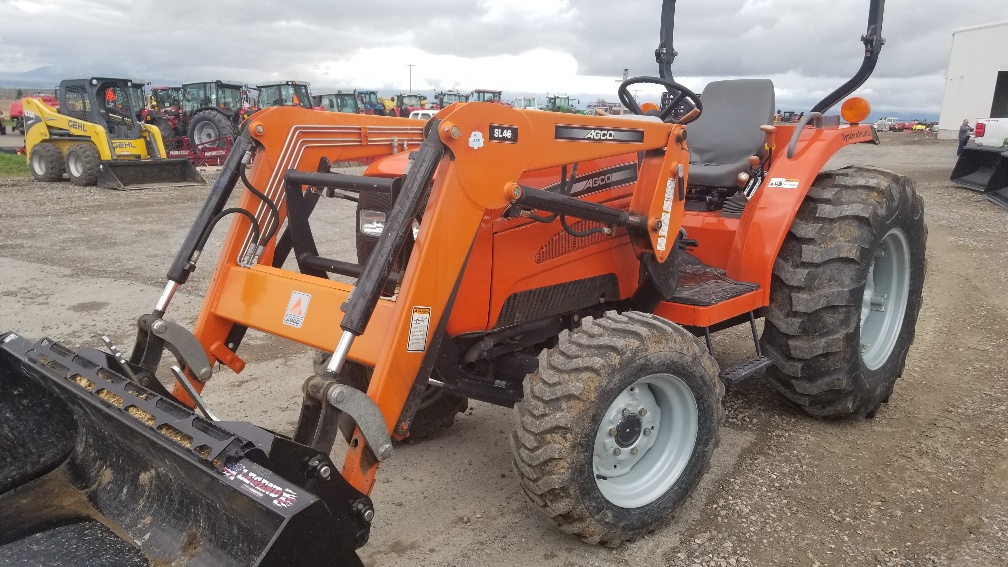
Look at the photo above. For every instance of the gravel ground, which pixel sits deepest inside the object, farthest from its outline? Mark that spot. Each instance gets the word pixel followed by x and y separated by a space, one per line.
pixel 924 483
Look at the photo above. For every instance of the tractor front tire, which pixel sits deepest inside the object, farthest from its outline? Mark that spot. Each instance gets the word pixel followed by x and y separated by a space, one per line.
pixel 437 410
pixel 846 292
pixel 46 162
pixel 210 127
pixel 168 138
pixel 83 164
pixel 617 426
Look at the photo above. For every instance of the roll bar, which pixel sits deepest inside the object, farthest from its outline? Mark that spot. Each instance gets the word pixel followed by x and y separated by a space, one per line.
pixel 872 40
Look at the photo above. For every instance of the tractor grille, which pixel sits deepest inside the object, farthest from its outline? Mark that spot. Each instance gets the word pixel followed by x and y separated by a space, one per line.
pixel 557 299
pixel 562 243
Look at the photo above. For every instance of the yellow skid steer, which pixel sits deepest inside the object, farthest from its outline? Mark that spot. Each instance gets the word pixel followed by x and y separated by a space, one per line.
pixel 96 139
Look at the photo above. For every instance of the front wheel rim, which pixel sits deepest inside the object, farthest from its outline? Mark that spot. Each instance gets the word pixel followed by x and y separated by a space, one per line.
pixel 645 440
pixel 884 302
pixel 38 164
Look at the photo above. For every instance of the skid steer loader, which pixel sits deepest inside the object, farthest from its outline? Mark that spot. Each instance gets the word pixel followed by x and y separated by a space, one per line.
pixel 97 138
pixel 573 267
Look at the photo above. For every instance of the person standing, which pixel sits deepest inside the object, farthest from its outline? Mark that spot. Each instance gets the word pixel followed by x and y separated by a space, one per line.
pixel 964 134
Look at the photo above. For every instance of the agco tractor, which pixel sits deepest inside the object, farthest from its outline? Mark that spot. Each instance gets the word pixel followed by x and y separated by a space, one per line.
pixel 575 268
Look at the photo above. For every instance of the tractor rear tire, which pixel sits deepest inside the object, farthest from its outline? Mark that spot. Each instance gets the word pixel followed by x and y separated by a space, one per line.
pixel 83 164
pixel 210 127
pixel 617 426
pixel 46 162
pixel 168 138
pixel 437 410
pixel 846 292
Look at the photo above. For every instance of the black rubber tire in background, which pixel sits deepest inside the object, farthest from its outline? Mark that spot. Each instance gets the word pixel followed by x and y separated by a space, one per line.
pixel 167 134
pixel 813 324
pixel 437 410
pixel 89 160
pixel 563 406
pixel 207 118
pixel 46 162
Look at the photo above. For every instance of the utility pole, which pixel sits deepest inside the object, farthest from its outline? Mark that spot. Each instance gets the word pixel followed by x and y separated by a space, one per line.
pixel 410 65
pixel 626 75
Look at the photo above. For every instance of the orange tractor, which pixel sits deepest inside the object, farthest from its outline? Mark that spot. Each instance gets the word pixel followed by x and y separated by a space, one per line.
pixel 574 267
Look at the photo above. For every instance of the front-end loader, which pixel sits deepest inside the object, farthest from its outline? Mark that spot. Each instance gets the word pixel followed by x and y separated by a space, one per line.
pixel 575 268
pixel 97 137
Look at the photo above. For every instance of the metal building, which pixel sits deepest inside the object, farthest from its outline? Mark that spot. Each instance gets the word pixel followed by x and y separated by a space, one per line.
pixel 976 82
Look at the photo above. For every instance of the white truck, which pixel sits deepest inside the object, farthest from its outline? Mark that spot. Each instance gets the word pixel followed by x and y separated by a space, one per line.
pixel 991 132
pixel 885 123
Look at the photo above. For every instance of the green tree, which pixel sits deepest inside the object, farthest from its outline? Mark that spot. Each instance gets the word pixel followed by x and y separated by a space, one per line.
pixel 19 94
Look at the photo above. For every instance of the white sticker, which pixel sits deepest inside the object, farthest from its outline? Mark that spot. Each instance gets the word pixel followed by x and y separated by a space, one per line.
pixel 419 325
pixel 783 183
pixel 476 140
pixel 297 308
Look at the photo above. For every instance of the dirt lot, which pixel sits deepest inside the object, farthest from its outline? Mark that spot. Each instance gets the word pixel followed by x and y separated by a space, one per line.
pixel 925 482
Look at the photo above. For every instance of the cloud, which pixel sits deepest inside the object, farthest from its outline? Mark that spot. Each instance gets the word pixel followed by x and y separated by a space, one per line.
pixel 807 46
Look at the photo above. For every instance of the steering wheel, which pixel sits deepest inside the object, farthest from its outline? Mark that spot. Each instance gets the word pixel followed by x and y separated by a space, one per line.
pixel 679 94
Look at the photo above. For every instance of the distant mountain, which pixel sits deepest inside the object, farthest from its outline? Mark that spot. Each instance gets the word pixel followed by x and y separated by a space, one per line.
pixel 42 77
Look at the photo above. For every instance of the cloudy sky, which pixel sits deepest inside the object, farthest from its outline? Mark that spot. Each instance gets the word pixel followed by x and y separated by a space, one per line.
pixel 580 47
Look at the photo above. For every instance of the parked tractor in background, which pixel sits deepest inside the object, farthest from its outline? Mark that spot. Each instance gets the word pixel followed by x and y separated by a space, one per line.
pixel 402 105
pixel 16 110
pixel 444 98
pixel 370 103
pixel 560 103
pixel 340 101
pixel 212 110
pixel 525 103
pixel 164 110
pixel 486 95
pixel 96 137
pixel 285 93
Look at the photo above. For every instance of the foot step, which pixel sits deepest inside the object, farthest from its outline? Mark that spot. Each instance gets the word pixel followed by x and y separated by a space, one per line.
pixel 745 369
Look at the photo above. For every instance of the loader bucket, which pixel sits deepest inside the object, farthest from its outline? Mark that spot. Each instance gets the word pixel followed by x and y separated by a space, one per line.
pixel 138 174
pixel 96 470
pixel 983 169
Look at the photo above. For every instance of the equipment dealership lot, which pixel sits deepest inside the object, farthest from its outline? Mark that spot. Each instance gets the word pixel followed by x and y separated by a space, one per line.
pixel 925 482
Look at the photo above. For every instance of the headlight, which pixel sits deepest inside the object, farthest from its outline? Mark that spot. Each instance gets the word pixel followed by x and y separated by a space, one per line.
pixel 372 223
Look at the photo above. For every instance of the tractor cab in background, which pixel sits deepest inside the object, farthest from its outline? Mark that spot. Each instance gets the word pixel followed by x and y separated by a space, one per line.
pixel 286 93
pixel 340 101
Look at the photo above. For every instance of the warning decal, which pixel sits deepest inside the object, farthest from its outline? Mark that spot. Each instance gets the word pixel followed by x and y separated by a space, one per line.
pixel 783 183
pixel 419 326
pixel 297 308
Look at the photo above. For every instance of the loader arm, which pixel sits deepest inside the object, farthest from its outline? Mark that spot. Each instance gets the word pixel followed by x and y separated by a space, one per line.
pixel 479 152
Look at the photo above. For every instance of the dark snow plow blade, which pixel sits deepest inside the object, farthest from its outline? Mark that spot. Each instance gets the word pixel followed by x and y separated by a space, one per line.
pixel 96 470
pixel 984 169
pixel 135 174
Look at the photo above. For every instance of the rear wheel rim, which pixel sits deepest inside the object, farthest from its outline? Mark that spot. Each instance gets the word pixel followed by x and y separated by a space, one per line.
pixel 75 165
pixel 205 132
pixel 645 440
pixel 884 302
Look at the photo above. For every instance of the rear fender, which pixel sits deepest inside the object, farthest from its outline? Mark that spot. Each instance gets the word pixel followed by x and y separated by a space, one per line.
pixel 767 219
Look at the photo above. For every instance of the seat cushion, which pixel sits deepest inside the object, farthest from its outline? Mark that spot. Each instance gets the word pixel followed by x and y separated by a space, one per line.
pixel 728 130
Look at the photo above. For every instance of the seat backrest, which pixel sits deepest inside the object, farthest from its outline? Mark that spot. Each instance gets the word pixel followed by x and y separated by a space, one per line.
pixel 728 129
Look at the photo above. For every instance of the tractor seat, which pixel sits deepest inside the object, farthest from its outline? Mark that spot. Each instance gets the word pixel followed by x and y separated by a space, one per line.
pixel 728 130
